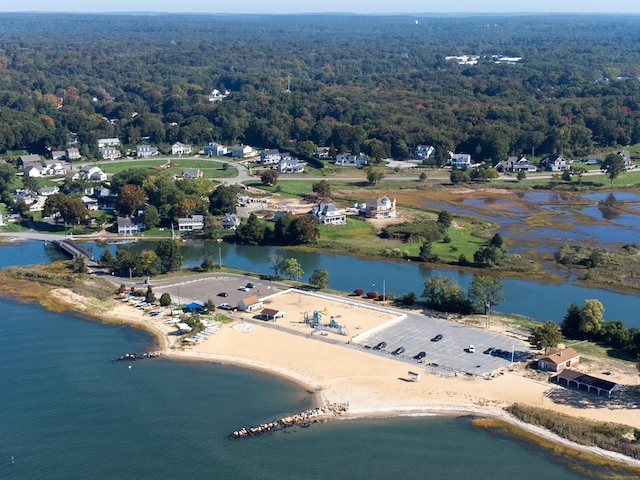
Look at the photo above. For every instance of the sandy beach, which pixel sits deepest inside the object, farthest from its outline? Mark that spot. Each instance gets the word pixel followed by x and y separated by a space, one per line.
pixel 372 385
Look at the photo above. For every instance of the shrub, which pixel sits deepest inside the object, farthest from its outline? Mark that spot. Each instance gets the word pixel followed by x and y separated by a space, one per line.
pixel 372 295
pixel 358 291
pixel 382 298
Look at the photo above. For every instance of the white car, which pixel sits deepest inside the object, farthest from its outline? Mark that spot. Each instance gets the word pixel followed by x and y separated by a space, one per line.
pixel 243 289
pixel 225 306
pixel 471 349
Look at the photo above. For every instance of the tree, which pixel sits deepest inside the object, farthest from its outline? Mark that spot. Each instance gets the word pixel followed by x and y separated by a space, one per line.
pixel 322 189
pixel 444 218
pixel 147 262
pixel 319 279
pixel 291 268
pixel 212 226
pixel 150 296
pixel 165 299
pixel 444 294
pixel 30 183
pixel 304 230
pixel 269 177
pixel 78 265
pixel 521 175
pixel 547 335
pixel 223 200
pixel 375 174
pixel 485 292
pixel 106 258
pixel 207 263
pixel 209 305
pixel 571 322
pixel 130 198
pixel 591 317
pixel 168 252
pixel 426 255
pixel 276 261
pixel 252 231
pixel 459 176
pixel 70 209
pixel 307 148
pixel 423 177
pixel 613 165
pixel 151 217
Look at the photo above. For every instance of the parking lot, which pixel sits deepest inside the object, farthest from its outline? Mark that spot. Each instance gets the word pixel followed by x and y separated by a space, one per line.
pixel 451 354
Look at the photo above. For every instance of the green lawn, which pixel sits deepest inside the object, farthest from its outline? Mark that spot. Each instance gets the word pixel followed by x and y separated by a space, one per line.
pixel 210 168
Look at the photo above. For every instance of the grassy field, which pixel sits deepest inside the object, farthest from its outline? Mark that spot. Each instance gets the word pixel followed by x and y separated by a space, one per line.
pixel 210 168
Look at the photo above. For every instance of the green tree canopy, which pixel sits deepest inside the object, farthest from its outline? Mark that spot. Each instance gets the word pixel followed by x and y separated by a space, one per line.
pixel 319 279
pixel 169 255
pixel 547 335
pixel 613 165
pixel 485 291
pixel 223 200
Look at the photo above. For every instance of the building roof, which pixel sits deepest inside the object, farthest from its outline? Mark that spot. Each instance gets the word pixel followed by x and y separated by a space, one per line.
pixel 270 312
pixel 560 356
pixel 585 379
pixel 252 300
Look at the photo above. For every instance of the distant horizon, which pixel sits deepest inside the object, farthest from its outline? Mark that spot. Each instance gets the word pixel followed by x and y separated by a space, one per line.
pixel 310 7
pixel 266 14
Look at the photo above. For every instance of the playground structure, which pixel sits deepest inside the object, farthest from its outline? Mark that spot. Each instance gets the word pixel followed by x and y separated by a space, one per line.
pixel 315 321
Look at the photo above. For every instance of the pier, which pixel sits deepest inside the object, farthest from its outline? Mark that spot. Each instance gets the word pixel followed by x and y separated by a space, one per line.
pixel 302 419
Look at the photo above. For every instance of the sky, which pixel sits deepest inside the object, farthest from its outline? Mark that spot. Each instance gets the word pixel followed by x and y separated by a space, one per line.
pixel 317 6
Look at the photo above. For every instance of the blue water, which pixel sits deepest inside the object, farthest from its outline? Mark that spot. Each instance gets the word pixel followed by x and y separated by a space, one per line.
pixel 67 412
pixel 533 299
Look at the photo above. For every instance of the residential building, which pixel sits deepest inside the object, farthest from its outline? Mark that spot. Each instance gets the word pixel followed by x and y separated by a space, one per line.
pixel 290 165
pixel 351 160
pixel 270 156
pixel 216 95
pixel 461 161
pixel 146 151
pixel 381 207
pixel 191 173
pixel 230 221
pixel 192 222
pixel 180 149
pixel 322 152
pixel 26 160
pixel 557 360
pixel 423 152
pixel 90 203
pixel 33 170
pixel 625 155
pixel 213 149
pixel 594 159
pixel 53 167
pixel 109 152
pixel 129 226
pixel 73 154
pixel 108 142
pixel 515 165
pixel 241 151
pixel 58 155
pixel 555 163
pixel 328 214
pixel 46 191
pixel 93 173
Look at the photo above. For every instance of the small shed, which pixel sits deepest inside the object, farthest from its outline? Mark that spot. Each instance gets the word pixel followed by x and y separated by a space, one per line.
pixel 250 304
pixel 413 376
pixel 270 314
pixel 587 383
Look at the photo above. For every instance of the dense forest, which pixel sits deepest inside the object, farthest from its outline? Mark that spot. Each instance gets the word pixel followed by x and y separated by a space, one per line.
pixel 372 84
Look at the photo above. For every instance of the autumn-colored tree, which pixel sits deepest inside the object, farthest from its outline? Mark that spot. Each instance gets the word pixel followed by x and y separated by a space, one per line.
pixel 131 197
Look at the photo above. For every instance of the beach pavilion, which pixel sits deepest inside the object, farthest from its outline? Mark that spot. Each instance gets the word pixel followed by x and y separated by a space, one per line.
pixel 582 381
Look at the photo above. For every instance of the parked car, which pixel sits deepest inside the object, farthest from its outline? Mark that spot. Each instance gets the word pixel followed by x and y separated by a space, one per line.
pixel 243 289
pixel 398 351
pixel 489 351
pixel 471 349
pixel 250 285
pixel 380 346
pixel 420 355
pixel 437 338
pixel 225 306
pixel 223 294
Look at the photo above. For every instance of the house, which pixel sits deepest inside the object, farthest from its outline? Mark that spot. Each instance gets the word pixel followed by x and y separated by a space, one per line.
pixel 328 214
pixel 351 160
pixel 72 154
pixel 53 167
pixel 594 159
pixel 93 173
pixel 250 304
pixel 109 152
pixel 26 160
pixel 215 149
pixel 270 314
pixel 128 226
pixel 625 155
pixel 191 173
pixel 461 161
pixel 216 95
pixel 90 203
pixel 322 152
pixel 58 155
pixel 46 191
pixel 558 360
pixel 1 219
pixel 230 221
pixel 290 165
pixel 33 170
pixel 281 213
pixel 108 142
pixel 192 222
pixel 241 151
pixel 423 152
pixel 381 207
pixel 146 151
pixel 270 156
pixel 515 165
pixel 555 163
pixel 180 149
pixel 465 59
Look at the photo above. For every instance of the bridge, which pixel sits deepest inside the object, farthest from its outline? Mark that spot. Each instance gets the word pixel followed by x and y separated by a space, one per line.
pixel 74 250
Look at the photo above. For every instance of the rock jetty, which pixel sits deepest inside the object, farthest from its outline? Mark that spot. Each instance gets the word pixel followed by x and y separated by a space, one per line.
pixel 302 419
pixel 137 356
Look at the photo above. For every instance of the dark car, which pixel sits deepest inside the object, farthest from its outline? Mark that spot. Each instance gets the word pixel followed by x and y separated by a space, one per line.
pixel 489 351
pixel 398 351
pixel 437 338
pixel 223 294
pixel 420 355
pixel 251 285
pixel 380 346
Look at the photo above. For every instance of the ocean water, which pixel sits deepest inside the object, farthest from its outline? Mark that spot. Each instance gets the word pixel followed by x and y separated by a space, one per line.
pixel 67 411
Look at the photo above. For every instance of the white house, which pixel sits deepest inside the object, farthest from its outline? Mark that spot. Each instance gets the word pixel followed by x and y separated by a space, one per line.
pixel 109 152
pixel 515 165
pixel 241 151
pixel 215 149
pixel 328 214
pixel 33 170
pixel 230 221
pixel 73 153
pixel 290 165
pixel 192 222
pixel 381 207
pixel 461 161
pixel 555 163
pixel 423 152
pixel 180 149
pixel 46 191
pixel 108 142
pixel 53 167
pixel 146 151
pixel 92 173
pixel 322 152
pixel 127 226
pixel 352 160
pixel 270 156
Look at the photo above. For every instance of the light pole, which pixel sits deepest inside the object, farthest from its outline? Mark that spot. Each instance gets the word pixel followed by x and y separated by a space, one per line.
pixel 131 270
pixel 487 307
